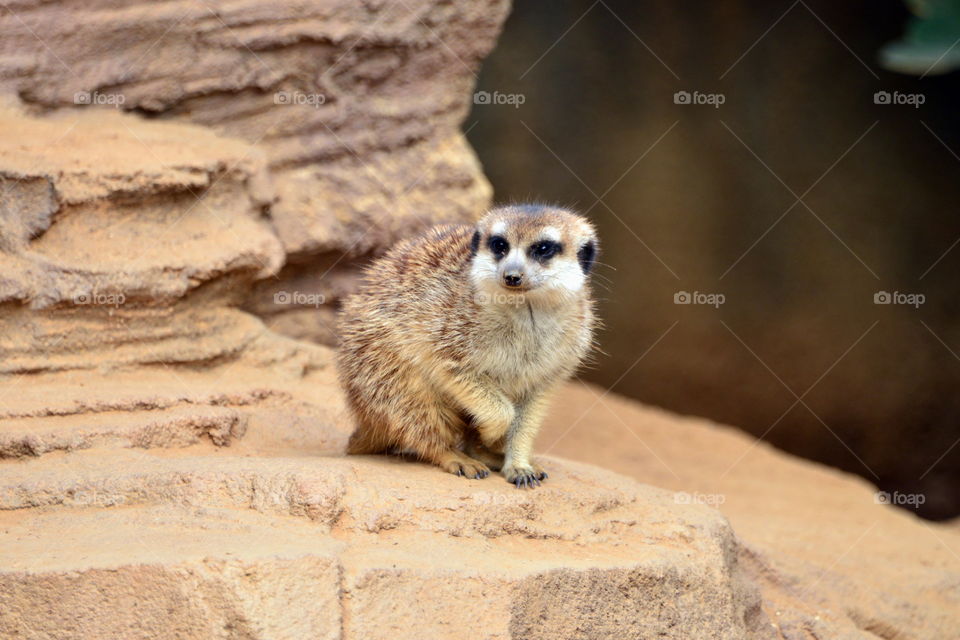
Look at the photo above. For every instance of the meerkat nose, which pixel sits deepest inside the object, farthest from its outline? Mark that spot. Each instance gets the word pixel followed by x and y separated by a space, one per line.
pixel 513 279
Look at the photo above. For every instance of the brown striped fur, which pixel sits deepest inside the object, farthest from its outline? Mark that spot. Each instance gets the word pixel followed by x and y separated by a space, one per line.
pixel 439 357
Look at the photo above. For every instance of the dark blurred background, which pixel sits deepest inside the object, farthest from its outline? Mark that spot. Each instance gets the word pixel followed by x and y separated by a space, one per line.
pixel 580 109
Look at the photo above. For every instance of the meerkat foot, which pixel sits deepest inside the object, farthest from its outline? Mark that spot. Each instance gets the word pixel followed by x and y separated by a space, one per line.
pixel 524 476
pixel 460 464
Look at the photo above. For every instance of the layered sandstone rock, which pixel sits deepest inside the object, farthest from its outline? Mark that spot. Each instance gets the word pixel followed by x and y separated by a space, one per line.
pixel 323 131
pixel 333 548
pixel 103 209
pixel 221 493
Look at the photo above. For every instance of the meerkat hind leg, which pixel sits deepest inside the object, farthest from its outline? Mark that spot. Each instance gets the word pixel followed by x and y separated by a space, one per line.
pixel 434 433
pixel 441 450
pixel 458 463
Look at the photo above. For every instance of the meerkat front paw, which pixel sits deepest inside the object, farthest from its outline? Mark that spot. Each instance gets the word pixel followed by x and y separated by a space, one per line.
pixel 524 476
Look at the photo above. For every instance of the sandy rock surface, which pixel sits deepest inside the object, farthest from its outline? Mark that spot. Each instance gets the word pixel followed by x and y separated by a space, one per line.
pixel 222 493
pixel 139 505
pixel 832 560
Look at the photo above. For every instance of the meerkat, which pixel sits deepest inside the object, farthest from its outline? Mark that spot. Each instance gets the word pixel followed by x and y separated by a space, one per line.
pixel 455 340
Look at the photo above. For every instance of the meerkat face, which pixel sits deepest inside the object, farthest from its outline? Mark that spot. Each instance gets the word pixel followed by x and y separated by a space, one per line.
pixel 532 253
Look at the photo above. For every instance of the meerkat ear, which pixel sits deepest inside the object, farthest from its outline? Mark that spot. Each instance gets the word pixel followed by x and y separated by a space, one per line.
pixel 586 255
pixel 475 243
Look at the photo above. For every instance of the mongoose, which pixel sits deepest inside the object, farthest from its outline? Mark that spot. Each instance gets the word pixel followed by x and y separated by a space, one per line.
pixel 455 339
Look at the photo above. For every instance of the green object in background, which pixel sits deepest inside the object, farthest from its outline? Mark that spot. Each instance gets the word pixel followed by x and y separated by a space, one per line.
pixel 931 44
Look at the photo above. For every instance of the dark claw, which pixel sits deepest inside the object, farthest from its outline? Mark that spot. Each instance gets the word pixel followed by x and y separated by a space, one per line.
pixel 543 475
pixel 526 481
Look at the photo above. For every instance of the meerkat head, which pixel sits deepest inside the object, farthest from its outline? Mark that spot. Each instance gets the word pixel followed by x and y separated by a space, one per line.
pixel 535 253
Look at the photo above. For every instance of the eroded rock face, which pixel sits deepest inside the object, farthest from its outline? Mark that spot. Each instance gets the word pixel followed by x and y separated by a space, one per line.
pixel 103 209
pixel 355 105
pixel 316 132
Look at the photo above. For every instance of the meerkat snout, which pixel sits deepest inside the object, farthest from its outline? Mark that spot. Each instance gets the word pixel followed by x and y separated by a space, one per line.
pixel 455 341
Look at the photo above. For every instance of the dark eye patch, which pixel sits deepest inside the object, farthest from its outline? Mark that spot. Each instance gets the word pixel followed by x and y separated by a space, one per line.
pixel 498 246
pixel 586 255
pixel 545 249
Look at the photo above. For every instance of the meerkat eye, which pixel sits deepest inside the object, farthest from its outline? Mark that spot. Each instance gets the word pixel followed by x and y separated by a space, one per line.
pixel 586 255
pixel 545 249
pixel 499 246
